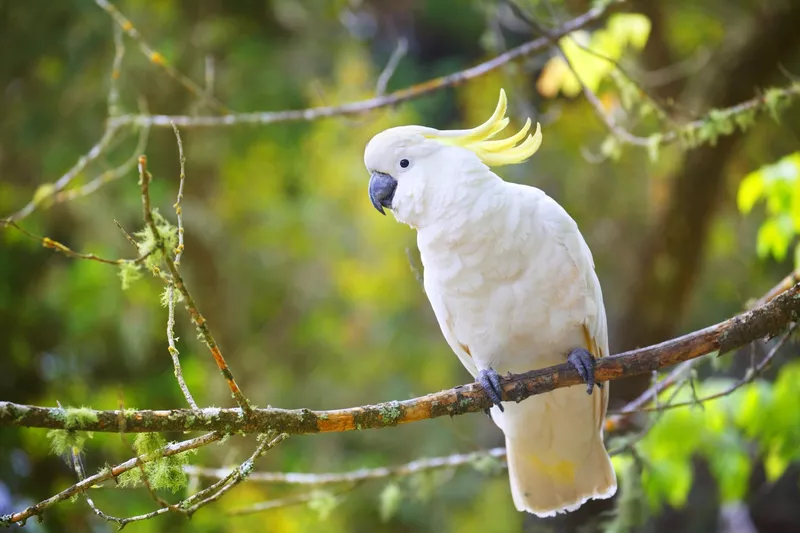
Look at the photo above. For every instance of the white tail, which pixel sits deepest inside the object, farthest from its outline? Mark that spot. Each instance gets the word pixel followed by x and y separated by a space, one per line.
pixel 556 456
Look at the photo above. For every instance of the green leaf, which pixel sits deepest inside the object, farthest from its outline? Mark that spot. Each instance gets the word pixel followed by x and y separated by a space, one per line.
pixel 390 499
pixel 750 191
pixel 731 467
pixel 775 465
pixel 797 256
pixel 668 481
pixel 774 237
pixel 631 29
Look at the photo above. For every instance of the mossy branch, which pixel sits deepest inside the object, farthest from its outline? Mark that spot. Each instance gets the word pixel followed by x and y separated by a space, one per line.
pixel 764 321
pixel 177 280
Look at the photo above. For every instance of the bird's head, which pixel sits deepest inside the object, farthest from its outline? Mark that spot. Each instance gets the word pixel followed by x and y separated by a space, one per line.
pixel 418 172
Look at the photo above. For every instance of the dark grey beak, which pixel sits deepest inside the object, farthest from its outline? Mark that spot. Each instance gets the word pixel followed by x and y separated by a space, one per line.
pixel 381 190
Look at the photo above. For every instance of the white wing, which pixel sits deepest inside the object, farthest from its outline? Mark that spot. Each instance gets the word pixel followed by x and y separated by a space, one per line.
pixel 564 230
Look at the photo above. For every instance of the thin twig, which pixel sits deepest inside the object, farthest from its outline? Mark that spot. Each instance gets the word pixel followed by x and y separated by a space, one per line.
pixel 77 465
pixel 127 235
pixel 236 476
pixel 391 65
pixel 362 474
pixel 618 131
pixel 47 242
pixel 158 59
pixel 273 504
pixel 197 317
pixel 116 72
pixel 93 153
pixel 534 24
pixel 630 442
pixel 56 192
pixel 111 473
pixel 107 176
pixel 177 205
pixel 218 489
pixel 173 350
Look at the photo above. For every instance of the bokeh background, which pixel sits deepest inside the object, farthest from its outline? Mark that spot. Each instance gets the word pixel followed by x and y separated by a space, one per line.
pixel 312 295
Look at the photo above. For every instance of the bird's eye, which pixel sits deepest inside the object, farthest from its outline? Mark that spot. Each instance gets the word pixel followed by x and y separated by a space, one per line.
pixel 404 163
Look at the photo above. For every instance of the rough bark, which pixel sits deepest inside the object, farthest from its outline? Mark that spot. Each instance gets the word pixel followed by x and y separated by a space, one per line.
pixel 758 323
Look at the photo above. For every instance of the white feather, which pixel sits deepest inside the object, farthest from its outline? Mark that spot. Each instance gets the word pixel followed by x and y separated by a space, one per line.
pixel 512 283
pixel 513 287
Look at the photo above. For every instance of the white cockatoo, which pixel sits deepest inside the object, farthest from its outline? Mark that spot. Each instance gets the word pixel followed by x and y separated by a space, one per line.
pixel 513 287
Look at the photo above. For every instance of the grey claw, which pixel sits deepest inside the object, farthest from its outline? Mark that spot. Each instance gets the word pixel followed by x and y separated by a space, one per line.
pixel 490 382
pixel 584 363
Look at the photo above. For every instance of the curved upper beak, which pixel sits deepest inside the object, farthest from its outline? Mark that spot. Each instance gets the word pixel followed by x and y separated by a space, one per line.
pixel 381 190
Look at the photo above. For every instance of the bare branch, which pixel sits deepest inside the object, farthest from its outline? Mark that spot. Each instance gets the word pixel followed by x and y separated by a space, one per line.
pixel 216 490
pixel 47 242
pixel 45 194
pixel 116 72
pixel 107 176
pixel 391 65
pixel 273 504
pixel 177 206
pixel 236 476
pixel 197 318
pixel 173 350
pixel 768 319
pixel 77 465
pixel 110 473
pixel 363 474
pixel 158 59
pixel 355 108
pixel 750 376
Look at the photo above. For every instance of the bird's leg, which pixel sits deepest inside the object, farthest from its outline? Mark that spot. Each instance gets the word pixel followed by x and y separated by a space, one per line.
pixel 490 382
pixel 583 362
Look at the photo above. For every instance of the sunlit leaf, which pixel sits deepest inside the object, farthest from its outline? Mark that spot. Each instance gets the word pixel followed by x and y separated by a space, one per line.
pixel 775 465
pixel 731 467
pixel 592 56
pixel 750 191
pixel 668 481
pixel 630 28
pixel 774 237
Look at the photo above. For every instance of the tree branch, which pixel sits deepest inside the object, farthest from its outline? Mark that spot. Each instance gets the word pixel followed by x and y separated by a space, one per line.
pixel 354 476
pixel 177 280
pixel 763 321
pixel 157 58
pixel 356 108
pixel 106 474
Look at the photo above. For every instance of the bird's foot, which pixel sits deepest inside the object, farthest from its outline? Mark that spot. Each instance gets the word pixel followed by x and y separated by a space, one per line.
pixel 583 362
pixel 490 382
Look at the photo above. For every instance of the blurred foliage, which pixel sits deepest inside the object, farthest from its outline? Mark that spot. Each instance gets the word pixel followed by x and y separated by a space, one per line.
pixel 778 186
pixel 312 296
pixel 760 421
pixel 593 56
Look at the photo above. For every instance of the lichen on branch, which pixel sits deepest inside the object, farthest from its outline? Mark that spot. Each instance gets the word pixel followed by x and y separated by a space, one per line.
pixel 766 320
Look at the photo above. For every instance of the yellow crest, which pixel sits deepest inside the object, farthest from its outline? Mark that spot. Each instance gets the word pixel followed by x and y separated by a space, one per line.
pixel 514 149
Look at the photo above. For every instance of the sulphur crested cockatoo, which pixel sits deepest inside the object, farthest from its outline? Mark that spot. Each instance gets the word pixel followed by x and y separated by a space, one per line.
pixel 513 287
